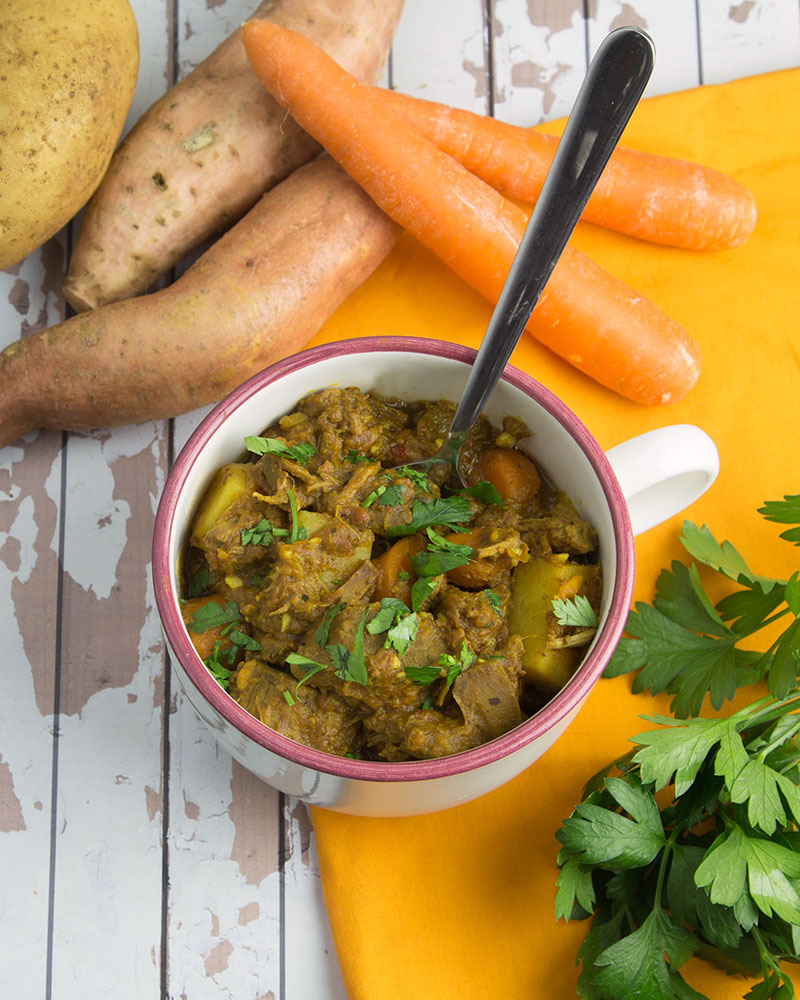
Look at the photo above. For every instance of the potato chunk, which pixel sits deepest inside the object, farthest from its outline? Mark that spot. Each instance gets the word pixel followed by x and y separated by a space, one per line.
pixel 536 584
pixel 229 483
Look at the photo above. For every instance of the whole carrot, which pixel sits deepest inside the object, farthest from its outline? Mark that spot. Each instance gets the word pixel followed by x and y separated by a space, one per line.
pixel 656 198
pixel 590 318
pixel 259 293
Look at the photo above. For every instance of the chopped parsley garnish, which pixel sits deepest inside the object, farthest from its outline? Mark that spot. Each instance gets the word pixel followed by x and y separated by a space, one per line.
pixel 347 664
pixel 298 530
pixel 483 491
pixel 287 697
pixel 262 533
pixel 423 675
pixel 398 622
pixel 218 664
pixel 310 667
pixel 421 588
pixel 415 476
pixel 198 583
pixel 353 456
pixel 321 634
pixel 243 640
pixel 300 452
pixel 576 612
pixel 440 556
pixel 213 615
pixel 452 665
pixel 385 496
pixel 444 511
pixel 495 600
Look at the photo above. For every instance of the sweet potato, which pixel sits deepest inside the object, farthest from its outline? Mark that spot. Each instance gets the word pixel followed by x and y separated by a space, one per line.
pixel 259 293
pixel 199 158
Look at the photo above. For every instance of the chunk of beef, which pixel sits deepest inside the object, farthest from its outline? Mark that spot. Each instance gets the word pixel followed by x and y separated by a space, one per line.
pixel 487 696
pixel 471 617
pixel 319 719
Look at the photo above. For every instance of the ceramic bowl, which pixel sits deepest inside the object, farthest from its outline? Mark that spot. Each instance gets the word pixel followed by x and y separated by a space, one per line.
pixel 629 489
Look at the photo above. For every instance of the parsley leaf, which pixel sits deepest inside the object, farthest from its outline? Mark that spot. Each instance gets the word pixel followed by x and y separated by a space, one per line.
pixel 440 556
pixel 455 665
pixel 686 660
pixel 261 533
pixel 495 600
pixel 421 589
pixel 298 531
pixel 443 511
pixel 213 615
pixel 300 452
pixel 321 633
pixel 310 667
pixel 347 664
pixel 415 476
pixel 687 646
pixel 218 669
pixel 577 611
pixel 398 622
pixel 786 511
pixel 423 675
pixel 636 966
pixel 597 835
pixel 723 557
pixel 385 496
pixel 198 583
pixel 483 491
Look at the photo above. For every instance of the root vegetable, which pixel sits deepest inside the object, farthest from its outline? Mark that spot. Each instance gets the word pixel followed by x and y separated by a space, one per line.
pixel 260 293
pixel 656 198
pixel 590 318
pixel 199 158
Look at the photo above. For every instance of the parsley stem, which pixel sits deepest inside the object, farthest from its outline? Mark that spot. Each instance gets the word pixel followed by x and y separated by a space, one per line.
pixel 769 961
pixel 666 851
pixel 293 508
pixel 767 709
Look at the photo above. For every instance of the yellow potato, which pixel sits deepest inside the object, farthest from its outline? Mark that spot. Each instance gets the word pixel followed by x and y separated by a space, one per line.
pixel 229 483
pixel 536 584
pixel 68 70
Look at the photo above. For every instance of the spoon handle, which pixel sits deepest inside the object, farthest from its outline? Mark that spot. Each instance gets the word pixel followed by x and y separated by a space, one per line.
pixel 614 82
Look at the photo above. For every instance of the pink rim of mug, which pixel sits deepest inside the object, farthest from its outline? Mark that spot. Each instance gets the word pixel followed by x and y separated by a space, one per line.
pixel 556 710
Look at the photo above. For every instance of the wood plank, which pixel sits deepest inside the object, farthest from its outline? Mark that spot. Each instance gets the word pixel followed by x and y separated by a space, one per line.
pixel 30 512
pixel 673 28
pixel 538 58
pixel 107 874
pixel 30 504
pixel 225 826
pixel 748 37
pixel 443 57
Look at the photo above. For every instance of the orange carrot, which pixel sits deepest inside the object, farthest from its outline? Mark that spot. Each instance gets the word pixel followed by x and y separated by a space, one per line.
pixel 512 474
pixel 657 198
pixel 593 320
pixel 395 575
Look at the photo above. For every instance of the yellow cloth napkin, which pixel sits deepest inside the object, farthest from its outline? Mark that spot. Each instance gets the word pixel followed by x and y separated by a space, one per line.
pixel 459 904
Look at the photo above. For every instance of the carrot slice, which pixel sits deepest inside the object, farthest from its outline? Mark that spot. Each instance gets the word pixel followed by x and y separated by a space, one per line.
pixel 661 199
pixel 593 320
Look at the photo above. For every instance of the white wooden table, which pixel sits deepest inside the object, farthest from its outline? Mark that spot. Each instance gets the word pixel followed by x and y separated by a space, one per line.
pixel 136 859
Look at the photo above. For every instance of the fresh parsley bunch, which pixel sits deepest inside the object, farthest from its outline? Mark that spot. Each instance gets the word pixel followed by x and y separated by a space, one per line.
pixel 688 647
pixel 690 843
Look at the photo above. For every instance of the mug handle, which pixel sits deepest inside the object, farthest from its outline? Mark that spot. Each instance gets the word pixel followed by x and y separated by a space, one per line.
pixel 662 471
